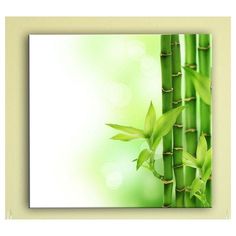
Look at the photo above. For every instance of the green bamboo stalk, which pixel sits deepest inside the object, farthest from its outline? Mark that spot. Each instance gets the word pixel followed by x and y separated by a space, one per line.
pixel 204 51
pixel 190 115
pixel 166 106
pixel 178 127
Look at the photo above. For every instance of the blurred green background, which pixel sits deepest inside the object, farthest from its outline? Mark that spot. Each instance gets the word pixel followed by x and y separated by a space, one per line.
pixel 128 67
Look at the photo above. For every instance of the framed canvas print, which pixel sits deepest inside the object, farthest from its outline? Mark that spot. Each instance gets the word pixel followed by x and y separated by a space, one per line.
pixel 120 120
pixel 112 117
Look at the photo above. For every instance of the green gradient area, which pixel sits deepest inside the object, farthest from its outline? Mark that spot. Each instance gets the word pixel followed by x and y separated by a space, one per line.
pixel 126 71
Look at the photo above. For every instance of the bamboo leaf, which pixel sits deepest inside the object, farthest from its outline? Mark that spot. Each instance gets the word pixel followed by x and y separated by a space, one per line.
pixel 143 156
pixel 165 123
pixel 206 168
pixel 189 160
pixel 201 83
pixel 156 143
pixel 197 187
pixel 125 137
pixel 127 129
pixel 202 198
pixel 201 150
pixel 150 120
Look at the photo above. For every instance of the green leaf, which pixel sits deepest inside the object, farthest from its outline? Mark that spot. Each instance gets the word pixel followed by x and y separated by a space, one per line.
pixel 156 143
pixel 150 120
pixel 165 123
pixel 125 137
pixel 201 83
pixel 203 199
pixel 143 156
pixel 197 187
pixel 206 168
pixel 189 160
pixel 201 150
pixel 127 129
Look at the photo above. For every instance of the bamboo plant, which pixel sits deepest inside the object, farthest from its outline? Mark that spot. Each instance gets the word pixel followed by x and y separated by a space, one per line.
pixel 192 184
pixel 204 69
pixel 178 126
pixel 190 114
pixel 202 163
pixel 202 85
pixel 167 93
pixel 152 133
pixel 204 50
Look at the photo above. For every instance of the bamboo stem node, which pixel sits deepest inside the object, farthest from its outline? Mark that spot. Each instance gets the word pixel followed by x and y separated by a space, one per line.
pixel 180 189
pixel 177 75
pixel 178 166
pixel 177 101
pixel 189 99
pixel 167 90
pixel 191 66
pixel 167 181
pixel 166 54
pixel 204 48
pixel 167 153
pixel 178 125
pixel 178 148
pixel 191 130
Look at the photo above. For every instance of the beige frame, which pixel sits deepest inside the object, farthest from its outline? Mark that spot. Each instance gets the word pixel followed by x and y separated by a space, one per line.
pixel 17 31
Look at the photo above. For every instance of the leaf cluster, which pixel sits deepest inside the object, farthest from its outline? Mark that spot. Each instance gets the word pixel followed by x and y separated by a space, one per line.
pixel 153 131
pixel 202 162
pixel 201 83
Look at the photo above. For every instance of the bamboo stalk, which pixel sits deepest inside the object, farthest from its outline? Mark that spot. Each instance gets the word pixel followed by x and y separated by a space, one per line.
pixel 205 110
pixel 178 127
pixel 166 106
pixel 190 114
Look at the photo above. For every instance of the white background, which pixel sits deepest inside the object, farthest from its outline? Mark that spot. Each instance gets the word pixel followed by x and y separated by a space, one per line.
pixel 112 8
